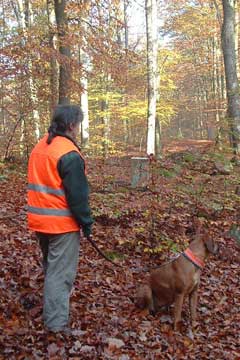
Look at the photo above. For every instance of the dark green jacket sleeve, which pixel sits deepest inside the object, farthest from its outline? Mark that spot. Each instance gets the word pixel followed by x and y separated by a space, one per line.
pixel 71 170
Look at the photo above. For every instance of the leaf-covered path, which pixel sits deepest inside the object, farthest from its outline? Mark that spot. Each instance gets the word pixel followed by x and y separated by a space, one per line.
pixel 139 229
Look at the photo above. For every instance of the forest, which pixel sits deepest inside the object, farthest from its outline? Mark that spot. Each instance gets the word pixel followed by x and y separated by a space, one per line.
pixel 158 84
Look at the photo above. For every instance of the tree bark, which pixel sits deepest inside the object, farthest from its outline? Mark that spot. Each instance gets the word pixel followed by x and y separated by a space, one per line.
pixel 25 20
pixel 230 63
pixel 125 24
pixel 85 61
pixel 105 119
pixel 64 49
pixel 126 127
pixel 158 144
pixel 53 62
pixel 152 48
pixel 105 123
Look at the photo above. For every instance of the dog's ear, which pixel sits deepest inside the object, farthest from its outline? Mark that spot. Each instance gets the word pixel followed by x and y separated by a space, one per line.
pixel 199 231
pixel 211 246
pixel 197 225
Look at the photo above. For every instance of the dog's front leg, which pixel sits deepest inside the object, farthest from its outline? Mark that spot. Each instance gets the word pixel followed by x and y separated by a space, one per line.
pixel 178 310
pixel 151 308
pixel 193 306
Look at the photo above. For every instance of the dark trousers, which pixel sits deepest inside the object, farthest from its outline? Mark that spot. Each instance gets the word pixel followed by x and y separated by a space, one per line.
pixel 60 260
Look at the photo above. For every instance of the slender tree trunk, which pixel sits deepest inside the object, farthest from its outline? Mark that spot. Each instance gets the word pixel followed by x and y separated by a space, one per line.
pixel 158 143
pixel 237 37
pixel 105 116
pixel 25 20
pixel 2 85
pixel 85 61
pixel 152 48
pixel 64 49
pixel 158 126
pixel 230 62
pixel 105 123
pixel 2 112
pixel 126 127
pixel 216 81
pixel 126 24
pixel 53 62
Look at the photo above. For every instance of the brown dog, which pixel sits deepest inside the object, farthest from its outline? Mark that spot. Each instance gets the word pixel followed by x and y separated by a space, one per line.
pixel 171 282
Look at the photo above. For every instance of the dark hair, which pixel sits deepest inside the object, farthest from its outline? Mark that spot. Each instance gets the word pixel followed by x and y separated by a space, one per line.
pixel 63 117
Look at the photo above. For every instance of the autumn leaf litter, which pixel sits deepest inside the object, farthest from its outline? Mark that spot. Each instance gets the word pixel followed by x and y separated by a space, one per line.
pixel 139 230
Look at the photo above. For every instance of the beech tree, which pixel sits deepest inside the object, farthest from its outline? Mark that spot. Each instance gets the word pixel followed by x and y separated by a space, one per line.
pixel 53 61
pixel 25 20
pixel 152 49
pixel 64 49
pixel 43 71
pixel 84 59
pixel 230 62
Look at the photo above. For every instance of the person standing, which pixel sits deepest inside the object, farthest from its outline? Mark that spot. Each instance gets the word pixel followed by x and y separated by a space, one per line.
pixel 58 209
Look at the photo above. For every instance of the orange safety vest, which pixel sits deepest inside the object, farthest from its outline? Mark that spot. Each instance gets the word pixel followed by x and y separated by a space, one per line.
pixel 48 211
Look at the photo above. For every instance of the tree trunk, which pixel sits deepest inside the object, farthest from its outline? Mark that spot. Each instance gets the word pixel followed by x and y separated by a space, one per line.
pixel 158 125
pixel 64 49
pixel 25 21
pixel 158 143
pixel 2 84
pixel 230 62
pixel 105 123
pixel 215 79
pixel 125 24
pixel 126 127
pixel 152 48
pixel 237 37
pixel 53 62
pixel 105 119
pixel 85 61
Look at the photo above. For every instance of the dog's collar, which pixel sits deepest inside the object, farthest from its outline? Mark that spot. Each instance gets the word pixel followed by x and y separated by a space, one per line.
pixel 188 254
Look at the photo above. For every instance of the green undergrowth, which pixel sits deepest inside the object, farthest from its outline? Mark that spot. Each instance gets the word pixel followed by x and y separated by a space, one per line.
pixel 8 169
pixel 114 255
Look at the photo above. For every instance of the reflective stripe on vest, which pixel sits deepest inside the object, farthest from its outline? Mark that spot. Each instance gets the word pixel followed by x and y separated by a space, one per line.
pixel 46 189
pixel 44 211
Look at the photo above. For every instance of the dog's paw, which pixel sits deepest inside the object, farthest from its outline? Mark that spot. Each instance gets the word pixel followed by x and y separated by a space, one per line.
pixel 178 326
pixel 152 312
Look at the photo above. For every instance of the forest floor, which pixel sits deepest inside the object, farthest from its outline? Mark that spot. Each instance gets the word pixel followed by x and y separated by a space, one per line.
pixel 139 229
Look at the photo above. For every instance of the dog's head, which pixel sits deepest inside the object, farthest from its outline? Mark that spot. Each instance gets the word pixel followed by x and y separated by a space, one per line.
pixel 211 246
pixel 202 235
